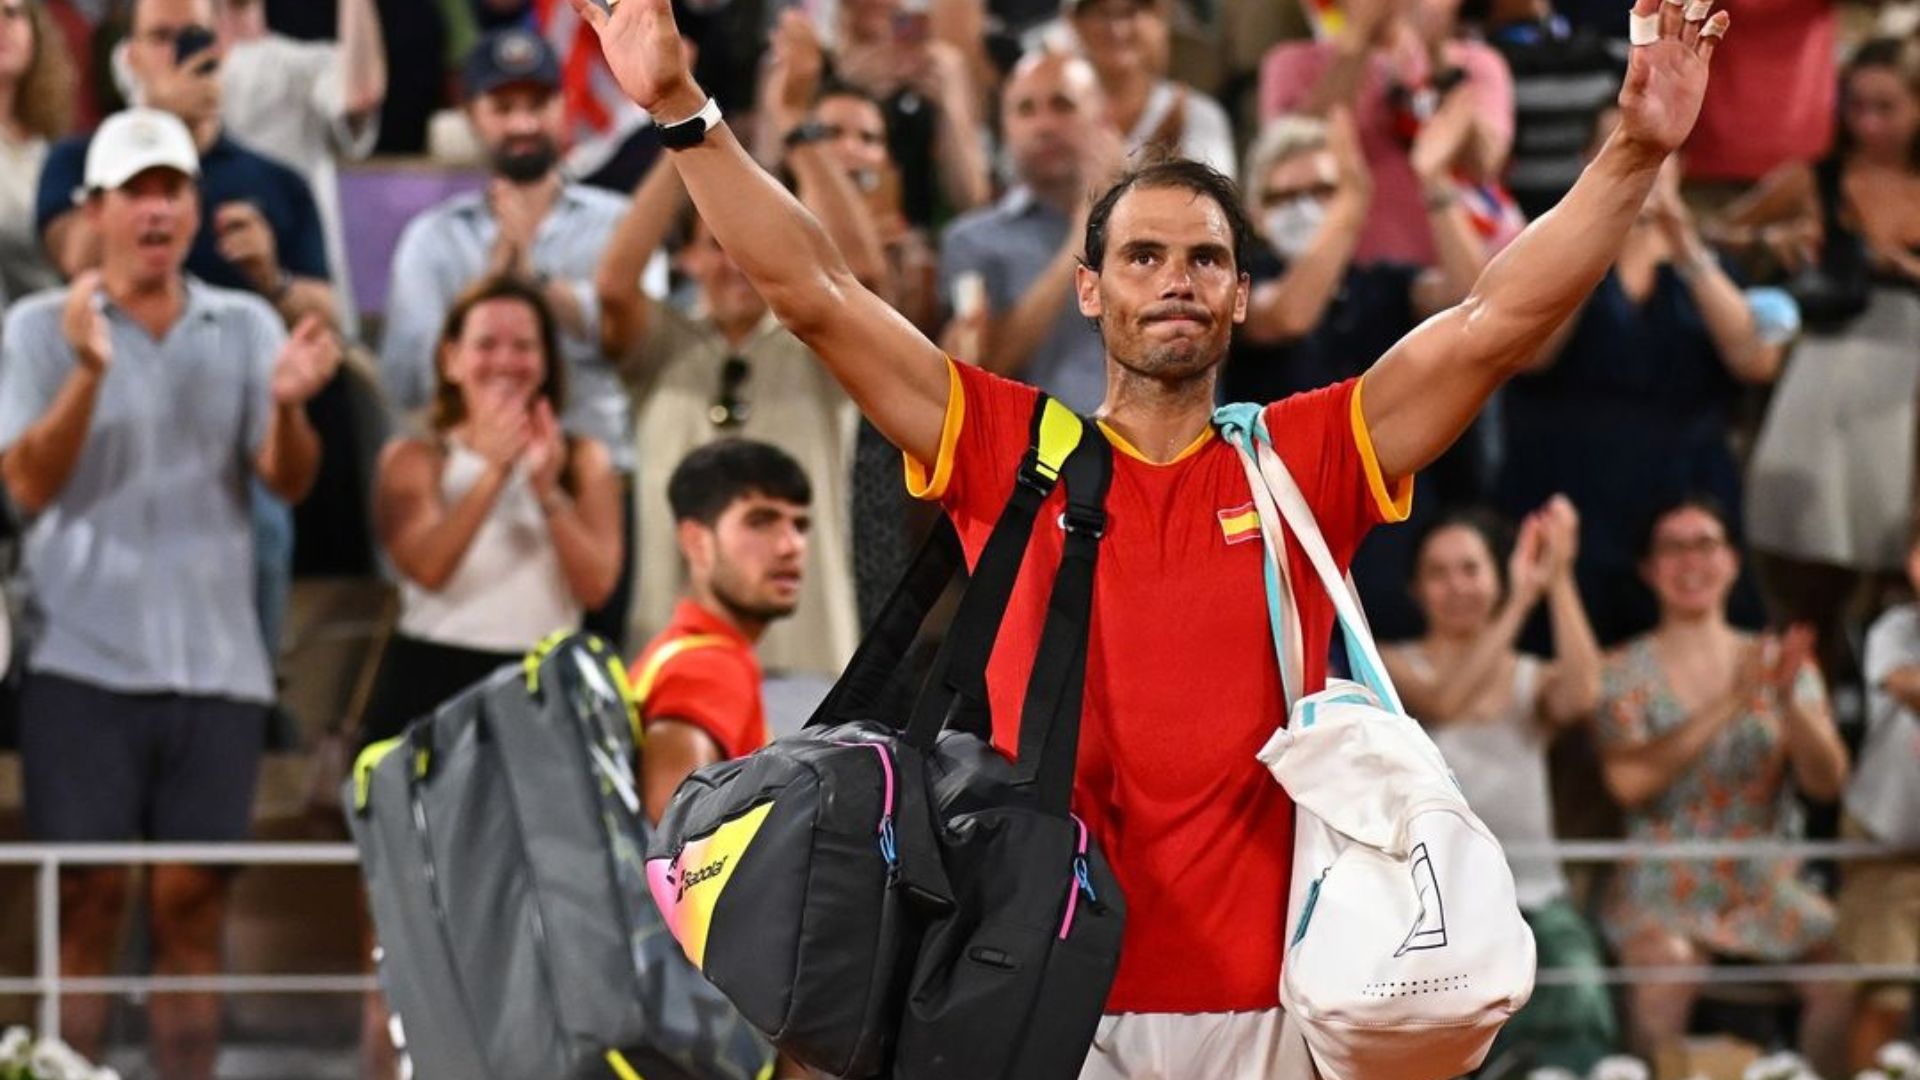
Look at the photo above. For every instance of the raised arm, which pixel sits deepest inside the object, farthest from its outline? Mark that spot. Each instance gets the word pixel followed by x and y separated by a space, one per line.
pixel 624 306
pixel 37 466
pixel 897 377
pixel 289 457
pixel 1289 308
pixel 1429 387
pixel 363 58
pixel 1572 686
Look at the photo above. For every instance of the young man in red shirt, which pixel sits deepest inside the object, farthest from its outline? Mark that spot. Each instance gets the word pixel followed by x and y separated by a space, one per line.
pixel 1182 685
pixel 740 510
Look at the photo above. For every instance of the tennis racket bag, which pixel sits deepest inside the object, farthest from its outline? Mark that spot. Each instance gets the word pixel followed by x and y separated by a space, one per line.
pixel 502 840
pixel 889 895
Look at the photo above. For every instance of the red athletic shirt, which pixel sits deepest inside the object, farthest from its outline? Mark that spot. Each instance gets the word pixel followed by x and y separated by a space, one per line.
pixel 1182 685
pixel 701 671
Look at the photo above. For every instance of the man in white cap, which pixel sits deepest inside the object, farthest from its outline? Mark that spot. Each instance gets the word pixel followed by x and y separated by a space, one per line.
pixel 134 408
pixel 262 231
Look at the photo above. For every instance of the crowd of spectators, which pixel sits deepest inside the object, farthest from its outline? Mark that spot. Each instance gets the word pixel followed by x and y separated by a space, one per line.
pixel 1648 572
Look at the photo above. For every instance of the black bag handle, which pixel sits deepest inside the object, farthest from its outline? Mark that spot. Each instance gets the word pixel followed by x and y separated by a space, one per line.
pixel 883 649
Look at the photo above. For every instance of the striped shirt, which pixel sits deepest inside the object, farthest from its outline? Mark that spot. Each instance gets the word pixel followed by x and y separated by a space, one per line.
pixel 1562 80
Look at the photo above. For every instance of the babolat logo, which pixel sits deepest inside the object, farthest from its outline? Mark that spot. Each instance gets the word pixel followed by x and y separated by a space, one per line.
pixel 690 878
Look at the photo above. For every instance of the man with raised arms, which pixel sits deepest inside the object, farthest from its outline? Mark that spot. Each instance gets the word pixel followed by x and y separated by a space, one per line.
pixel 1182 685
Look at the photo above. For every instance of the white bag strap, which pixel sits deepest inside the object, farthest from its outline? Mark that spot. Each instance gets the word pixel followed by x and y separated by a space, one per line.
pixel 1279 499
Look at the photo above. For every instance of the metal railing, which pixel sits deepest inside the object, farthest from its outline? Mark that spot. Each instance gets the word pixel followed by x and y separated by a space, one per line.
pixel 50 986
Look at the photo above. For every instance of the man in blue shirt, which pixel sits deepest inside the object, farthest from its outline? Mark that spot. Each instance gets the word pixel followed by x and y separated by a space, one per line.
pixel 530 221
pixel 136 407
pixel 262 233
pixel 1023 249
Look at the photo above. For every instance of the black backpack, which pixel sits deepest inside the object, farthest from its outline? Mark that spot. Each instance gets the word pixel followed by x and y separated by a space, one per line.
pixel 891 895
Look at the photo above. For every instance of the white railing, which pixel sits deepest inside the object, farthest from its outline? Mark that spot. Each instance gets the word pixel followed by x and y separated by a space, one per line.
pixel 49 985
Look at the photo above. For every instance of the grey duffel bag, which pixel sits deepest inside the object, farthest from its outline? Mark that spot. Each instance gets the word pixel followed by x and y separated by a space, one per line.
pixel 502 840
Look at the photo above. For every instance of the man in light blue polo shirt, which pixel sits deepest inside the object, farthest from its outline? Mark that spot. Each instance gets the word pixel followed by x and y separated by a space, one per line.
pixel 135 406
pixel 530 221
pixel 1023 249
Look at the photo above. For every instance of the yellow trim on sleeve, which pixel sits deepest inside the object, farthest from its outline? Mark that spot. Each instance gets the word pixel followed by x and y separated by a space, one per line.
pixel 649 674
pixel 934 488
pixel 1398 505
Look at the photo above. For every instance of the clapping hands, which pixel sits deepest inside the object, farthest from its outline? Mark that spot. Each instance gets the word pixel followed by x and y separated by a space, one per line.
pixel 1546 549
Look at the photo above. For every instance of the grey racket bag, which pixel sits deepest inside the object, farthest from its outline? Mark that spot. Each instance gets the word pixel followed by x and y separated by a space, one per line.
pixel 503 841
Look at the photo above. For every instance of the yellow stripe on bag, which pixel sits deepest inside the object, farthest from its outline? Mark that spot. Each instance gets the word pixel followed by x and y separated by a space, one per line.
pixel 531 664
pixel 363 766
pixel 704 868
pixel 620 1066
pixel 1060 432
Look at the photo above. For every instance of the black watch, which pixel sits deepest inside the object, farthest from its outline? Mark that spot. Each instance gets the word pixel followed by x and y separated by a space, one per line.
pixel 693 130
pixel 808 133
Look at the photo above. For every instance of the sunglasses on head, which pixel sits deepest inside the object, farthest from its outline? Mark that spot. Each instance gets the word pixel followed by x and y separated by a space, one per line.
pixel 729 410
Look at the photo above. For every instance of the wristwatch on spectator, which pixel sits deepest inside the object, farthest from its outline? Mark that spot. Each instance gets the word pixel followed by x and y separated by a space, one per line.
pixel 693 130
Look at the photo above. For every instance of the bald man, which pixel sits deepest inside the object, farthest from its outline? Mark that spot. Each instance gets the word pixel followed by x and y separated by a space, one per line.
pixel 1022 250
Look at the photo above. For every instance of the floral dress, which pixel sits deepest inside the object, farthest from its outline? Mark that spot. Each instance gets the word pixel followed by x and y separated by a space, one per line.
pixel 1735 790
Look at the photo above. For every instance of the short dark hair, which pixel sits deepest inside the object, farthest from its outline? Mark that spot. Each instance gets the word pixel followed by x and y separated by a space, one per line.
pixel 718 474
pixel 1702 501
pixel 1204 181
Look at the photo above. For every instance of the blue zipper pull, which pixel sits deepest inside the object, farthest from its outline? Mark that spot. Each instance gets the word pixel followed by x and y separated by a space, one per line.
pixel 1085 879
pixel 887 849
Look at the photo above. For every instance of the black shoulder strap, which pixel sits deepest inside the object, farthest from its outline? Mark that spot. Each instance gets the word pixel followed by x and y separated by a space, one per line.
pixel 955 693
pixel 1050 715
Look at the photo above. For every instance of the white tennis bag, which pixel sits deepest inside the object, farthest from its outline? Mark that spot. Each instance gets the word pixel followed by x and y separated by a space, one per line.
pixel 1407 951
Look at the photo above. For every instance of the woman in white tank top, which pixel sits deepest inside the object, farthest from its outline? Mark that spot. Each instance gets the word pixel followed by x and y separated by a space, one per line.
pixel 503 528
pixel 1493 711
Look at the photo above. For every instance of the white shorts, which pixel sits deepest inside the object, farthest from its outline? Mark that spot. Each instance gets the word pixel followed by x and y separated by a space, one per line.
pixel 1219 1046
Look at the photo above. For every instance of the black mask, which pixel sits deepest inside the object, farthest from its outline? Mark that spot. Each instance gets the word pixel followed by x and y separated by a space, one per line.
pixel 527 163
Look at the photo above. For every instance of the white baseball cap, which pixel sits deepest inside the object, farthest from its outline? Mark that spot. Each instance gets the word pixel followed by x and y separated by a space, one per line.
pixel 131 142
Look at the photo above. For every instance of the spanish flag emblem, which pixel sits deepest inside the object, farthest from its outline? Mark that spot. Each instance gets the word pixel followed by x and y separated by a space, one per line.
pixel 1240 524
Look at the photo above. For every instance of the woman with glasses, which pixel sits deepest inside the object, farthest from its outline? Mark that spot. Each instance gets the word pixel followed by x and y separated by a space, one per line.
pixel 37 87
pixel 503 528
pixel 1703 730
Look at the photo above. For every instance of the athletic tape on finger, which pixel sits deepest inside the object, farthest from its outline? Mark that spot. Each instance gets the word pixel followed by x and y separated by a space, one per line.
pixel 1714 28
pixel 1698 10
pixel 1642 29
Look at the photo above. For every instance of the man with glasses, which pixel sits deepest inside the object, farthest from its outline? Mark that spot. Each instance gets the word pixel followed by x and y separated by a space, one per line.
pixel 730 370
pixel 262 232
